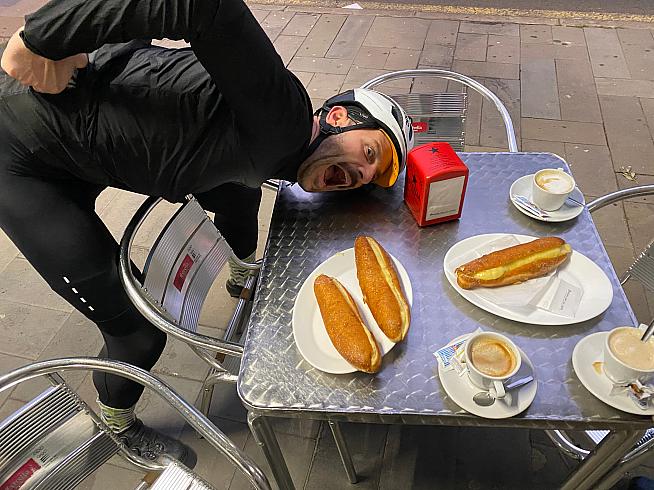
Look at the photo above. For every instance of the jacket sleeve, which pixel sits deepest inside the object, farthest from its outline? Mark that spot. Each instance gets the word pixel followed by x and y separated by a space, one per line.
pixel 62 28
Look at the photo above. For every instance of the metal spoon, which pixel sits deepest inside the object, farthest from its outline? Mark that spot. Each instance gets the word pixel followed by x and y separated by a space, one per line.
pixel 579 203
pixel 529 206
pixel 486 398
pixel 648 332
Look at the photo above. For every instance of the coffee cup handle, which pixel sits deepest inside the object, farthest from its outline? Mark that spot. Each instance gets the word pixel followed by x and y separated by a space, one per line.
pixel 499 389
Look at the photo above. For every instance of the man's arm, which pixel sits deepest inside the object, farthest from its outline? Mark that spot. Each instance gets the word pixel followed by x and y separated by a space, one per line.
pixel 225 37
pixel 62 28
pixel 42 74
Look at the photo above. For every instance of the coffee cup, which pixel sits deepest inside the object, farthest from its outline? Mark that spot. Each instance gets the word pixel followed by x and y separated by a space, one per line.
pixel 491 359
pixel 627 358
pixel 550 188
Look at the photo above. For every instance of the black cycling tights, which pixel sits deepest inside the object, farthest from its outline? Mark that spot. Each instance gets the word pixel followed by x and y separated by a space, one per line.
pixel 54 224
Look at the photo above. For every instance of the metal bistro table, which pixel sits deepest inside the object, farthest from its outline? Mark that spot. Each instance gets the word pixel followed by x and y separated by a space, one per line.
pixel 306 229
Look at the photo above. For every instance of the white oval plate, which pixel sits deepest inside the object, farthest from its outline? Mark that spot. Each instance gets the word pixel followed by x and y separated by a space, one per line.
pixel 568 211
pixel 587 351
pixel 461 390
pixel 598 292
pixel 309 331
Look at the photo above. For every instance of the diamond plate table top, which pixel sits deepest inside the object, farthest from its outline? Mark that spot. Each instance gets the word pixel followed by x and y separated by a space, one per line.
pixel 307 228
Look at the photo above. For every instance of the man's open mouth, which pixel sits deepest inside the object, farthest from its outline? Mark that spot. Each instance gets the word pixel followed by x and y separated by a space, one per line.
pixel 335 176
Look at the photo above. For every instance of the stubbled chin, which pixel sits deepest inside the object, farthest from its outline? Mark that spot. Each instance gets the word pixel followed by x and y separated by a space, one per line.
pixel 310 185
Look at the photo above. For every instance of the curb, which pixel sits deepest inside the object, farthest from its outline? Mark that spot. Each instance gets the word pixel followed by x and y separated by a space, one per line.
pixel 471 14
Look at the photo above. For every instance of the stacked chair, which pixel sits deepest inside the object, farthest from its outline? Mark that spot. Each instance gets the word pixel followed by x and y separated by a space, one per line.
pixel 55 441
pixel 181 267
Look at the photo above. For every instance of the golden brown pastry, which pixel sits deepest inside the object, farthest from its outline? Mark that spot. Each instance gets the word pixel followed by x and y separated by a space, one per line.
pixel 514 264
pixel 345 326
pixel 381 288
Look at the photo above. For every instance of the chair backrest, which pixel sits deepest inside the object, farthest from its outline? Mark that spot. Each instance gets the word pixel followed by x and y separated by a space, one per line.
pixel 643 267
pixel 175 477
pixel 437 117
pixel 422 107
pixel 51 443
pixel 183 264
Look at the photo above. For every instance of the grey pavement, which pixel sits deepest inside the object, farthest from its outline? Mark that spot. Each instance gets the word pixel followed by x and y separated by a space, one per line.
pixel 582 89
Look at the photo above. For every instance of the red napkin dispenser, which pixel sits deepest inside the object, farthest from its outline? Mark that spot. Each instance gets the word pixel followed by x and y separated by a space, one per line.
pixel 435 183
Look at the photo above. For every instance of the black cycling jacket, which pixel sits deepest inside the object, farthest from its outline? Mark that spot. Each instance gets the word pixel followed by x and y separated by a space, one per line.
pixel 159 121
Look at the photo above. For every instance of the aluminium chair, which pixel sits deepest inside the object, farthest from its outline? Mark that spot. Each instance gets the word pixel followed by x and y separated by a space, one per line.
pixel 187 256
pixel 642 270
pixel 55 441
pixel 441 116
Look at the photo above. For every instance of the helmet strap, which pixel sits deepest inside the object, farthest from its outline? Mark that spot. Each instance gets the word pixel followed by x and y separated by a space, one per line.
pixel 327 129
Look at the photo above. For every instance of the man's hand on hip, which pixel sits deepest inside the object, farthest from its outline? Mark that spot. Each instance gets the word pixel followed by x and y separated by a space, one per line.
pixel 43 75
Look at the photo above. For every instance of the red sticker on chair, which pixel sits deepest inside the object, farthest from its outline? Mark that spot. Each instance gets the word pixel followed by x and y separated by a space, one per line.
pixel 420 127
pixel 182 272
pixel 20 477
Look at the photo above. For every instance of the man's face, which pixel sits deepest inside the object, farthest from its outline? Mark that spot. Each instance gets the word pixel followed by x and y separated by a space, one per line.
pixel 345 161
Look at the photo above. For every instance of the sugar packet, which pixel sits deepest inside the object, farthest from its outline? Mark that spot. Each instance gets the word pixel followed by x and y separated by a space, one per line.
pixel 452 356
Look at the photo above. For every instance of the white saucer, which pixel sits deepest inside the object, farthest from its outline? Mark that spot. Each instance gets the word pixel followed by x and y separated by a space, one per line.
pixel 568 211
pixel 461 391
pixel 587 351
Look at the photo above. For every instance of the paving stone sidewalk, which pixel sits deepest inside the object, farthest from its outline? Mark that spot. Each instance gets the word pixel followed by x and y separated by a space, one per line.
pixel 584 91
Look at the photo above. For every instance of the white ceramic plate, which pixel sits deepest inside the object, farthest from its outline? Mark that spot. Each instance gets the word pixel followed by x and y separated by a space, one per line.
pixel 308 328
pixel 568 211
pixel 597 296
pixel 588 350
pixel 461 391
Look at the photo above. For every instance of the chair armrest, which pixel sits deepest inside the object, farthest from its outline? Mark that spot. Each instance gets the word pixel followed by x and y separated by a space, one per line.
pixel 600 202
pixel 187 411
pixel 561 441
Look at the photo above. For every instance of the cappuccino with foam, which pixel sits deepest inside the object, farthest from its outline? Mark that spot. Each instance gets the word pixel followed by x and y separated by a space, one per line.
pixel 625 344
pixel 550 188
pixel 627 358
pixel 492 357
pixel 554 181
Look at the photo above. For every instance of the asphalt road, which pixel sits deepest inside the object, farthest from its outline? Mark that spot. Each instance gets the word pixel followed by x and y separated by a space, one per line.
pixel 635 7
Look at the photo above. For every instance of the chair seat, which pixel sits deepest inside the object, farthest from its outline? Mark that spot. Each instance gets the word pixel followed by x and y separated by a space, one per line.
pixel 596 436
pixel 51 443
pixel 176 477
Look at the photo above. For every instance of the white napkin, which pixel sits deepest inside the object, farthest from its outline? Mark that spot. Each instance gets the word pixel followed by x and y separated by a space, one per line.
pixel 557 293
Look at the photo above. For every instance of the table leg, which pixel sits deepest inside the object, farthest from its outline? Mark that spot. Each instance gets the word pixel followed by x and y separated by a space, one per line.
pixel 343 451
pixel 608 452
pixel 624 466
pixel 266 439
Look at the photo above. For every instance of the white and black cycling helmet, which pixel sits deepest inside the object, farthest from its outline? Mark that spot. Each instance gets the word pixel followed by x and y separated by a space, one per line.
pixel 371 110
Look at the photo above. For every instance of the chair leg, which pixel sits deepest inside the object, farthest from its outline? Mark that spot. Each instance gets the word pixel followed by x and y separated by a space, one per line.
pixel 624 469
pixel 608 452
pixel 343 451
pixel 214 377
pixel 265 437
pixel 207 394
